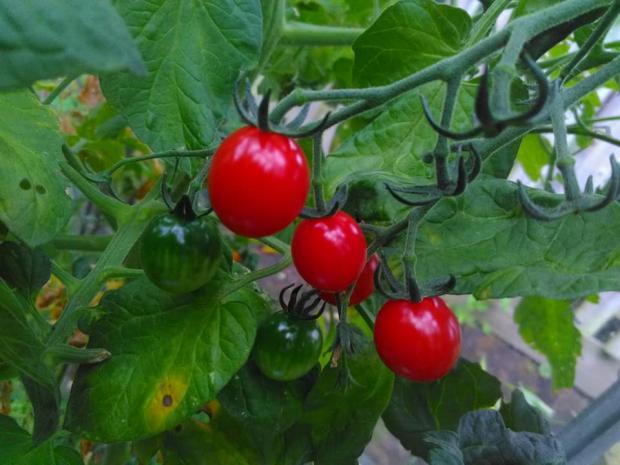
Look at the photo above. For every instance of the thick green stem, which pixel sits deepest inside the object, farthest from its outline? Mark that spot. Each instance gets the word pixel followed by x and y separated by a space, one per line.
pixel 580 131
pixel 106 204
pixel 442 148
pixel 70 281
pixel 303 34
pixel 58 89
pixel 81 243
pixel 113 256
pixel 317 162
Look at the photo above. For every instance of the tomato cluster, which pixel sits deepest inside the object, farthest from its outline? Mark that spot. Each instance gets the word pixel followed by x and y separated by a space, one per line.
pixel 258 183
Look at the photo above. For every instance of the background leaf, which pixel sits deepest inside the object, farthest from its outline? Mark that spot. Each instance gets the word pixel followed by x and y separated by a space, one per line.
pixel 33 203
pixel 417 409
pixel 44 39
pixel 495 250
pixel 194 52
pixel 534 154
pixel 148 386
pixel 549 327
pixel 24 269
pixel 408 36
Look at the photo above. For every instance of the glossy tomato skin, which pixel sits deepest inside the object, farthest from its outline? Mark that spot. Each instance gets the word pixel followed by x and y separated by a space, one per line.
pixel 364 286
pixel 258 182
pixel 180 255
pixel 329 253
pixel 286 347
pixel 419 341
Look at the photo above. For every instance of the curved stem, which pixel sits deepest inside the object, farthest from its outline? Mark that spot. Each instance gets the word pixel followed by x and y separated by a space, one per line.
pixel 106 204
pixel 201 153
pixel 120 272
pixel 304 34
pixel 81 243
pixel 71 282
pixel 285 262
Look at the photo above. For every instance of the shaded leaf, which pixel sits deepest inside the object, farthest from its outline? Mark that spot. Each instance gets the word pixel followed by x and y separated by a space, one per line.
pixel 44 39
pixel 519 415
pixel 24 269
pixel 549 327
pixel 417 409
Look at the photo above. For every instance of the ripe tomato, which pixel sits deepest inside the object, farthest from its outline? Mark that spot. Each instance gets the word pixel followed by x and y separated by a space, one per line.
pixel 329 253
pixel 258 182
pixel 364 286
pixel 180 255
pixel 286 347
pixel 419 341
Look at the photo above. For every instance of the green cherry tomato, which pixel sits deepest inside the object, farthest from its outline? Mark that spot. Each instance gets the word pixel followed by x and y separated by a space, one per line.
pixel 286 347
pixel 180 254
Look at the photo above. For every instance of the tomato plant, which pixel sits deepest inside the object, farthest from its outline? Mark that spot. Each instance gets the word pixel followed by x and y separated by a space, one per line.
pixel 390 154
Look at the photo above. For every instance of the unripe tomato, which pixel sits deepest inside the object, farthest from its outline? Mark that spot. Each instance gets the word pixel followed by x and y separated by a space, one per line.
pixel 420 341
pixel 329 253
pixel 364 286
pixel 286 347
pixel 258 182
pixel 180 255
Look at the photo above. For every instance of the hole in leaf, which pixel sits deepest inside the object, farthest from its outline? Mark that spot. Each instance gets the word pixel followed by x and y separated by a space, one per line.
pixel 25 184
pixel 167 400
pixel 40 189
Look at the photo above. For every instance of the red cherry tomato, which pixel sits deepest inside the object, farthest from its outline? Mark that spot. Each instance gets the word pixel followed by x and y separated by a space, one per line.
pixel 364 286
pixel 258 182
pixel 329 253
pixel 419 341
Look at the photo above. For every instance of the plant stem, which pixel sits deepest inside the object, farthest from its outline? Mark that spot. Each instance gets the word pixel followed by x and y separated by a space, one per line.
pixel 285 262
pixel 304 34
pixel 580 131
pixel 58 89
pixel 317 161
pixel 71 282
pixel 487 21
pixel 201 153
pixel 113 256
pixel 106 204
pixel 387 235
pixel 120 272
pixel 82 243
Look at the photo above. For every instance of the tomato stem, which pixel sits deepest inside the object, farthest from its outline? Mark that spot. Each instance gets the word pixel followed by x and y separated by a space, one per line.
pixel 200 153
pixel 304 34
pixel 86 243
pixel 317 162
pixel 71 282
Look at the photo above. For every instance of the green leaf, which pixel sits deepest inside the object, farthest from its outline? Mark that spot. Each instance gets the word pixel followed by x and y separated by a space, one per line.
pixel 518 415
pixel 394 144
pixel 194 51
pixel 169 357
pixel 33 203
pixel 272 407
pixel 548 326
pixel 24 269
pixel 408 36
pixel 273 22
pixel 482 437
pixel 44 39
pixel 16 448
pixel 342 420
pixel 499 164
pixel 419 408
pixel 495 250
pixel 535 152
pixel 215 443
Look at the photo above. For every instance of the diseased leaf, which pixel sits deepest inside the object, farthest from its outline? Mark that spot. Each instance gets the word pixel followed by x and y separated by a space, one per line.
pixel 24 269
pixel 417 409
pixel 408 36
pixel 495 250
pixel 33 203
pixel 169 357
pixel 194 52
pixel 44 39
pixel 549 327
